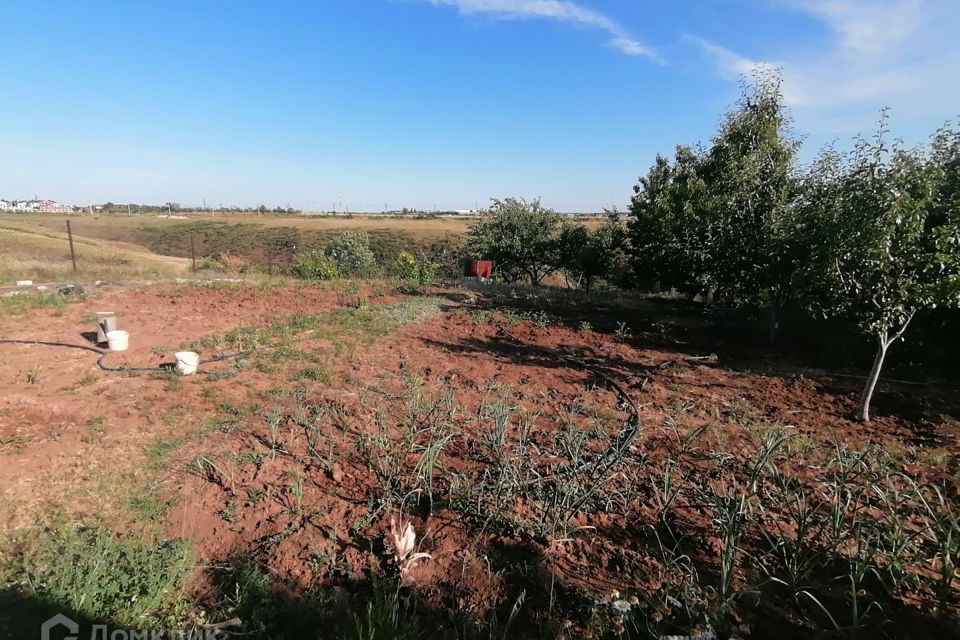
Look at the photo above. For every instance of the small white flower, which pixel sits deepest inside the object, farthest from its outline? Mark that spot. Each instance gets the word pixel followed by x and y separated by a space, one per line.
pixel 673 602
pixel 621 606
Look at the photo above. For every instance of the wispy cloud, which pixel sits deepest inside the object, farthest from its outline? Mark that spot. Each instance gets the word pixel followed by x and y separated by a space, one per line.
pixel 896 53
pixel 731 65
pixel 868 26
pixel 558 10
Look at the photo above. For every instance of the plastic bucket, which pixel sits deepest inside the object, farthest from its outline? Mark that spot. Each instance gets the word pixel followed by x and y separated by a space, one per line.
pixel 187 362
pixel 106 322
pixel 118 340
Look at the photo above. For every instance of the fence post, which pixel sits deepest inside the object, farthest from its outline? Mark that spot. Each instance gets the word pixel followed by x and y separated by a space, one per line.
pixel 73 255
pixel 193 254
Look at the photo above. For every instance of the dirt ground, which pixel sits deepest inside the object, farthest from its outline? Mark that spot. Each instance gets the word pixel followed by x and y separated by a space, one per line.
pixel 302 472
pixel 67 428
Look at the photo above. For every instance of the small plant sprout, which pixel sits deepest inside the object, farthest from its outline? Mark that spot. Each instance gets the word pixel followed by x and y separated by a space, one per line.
pixel 34 375
pixel 622 331
pixel 404 540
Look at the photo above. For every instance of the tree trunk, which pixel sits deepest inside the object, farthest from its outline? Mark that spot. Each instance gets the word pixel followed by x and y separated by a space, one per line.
pixel 883 343
pixel 863 411
pixel 775 308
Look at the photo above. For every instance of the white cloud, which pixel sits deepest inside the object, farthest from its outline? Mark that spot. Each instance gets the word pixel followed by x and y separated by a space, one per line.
pixel 728 63
pixel 559 10
pixel 868 26
pixel 901 54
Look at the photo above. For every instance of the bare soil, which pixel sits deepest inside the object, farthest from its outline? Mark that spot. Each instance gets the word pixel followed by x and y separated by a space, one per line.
pixel 302 475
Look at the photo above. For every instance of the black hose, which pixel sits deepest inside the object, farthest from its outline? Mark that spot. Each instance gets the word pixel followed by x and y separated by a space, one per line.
pixel 103 354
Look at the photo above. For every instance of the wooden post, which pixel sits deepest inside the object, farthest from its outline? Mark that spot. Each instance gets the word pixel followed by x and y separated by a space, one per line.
pixel 193 254
pixel 73 255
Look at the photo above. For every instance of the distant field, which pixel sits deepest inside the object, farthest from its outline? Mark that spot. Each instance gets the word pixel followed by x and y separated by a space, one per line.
pixel 29 251
pixel 260 239
pixel 131 228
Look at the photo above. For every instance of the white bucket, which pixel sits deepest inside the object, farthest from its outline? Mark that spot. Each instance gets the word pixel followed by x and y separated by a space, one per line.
pixel 118 340
pixel 187 362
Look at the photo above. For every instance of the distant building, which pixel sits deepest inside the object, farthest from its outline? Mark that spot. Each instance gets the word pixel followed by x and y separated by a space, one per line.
pixel 34 206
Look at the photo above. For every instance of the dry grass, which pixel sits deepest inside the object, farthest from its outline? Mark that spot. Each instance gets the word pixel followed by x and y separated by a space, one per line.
pixel 125 228
pixel 42 255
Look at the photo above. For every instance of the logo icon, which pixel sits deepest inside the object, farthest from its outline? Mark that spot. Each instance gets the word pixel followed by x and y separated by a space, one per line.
pixel 59 620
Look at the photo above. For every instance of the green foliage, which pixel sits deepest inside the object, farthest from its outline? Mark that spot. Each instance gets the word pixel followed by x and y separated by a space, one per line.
pixel 669 233
pixel 749 171
pixel 106 578
pixel 883 236
pixel 413 272
pixel 350 252
pixel 316 374
pixel 387 616
pixel 315 265
pixel 521 238
pixel 879 251
pixel 588 254
pixel 20 303
pixel 719 220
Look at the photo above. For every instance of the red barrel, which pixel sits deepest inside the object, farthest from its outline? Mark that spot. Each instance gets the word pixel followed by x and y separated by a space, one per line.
pixel 478 268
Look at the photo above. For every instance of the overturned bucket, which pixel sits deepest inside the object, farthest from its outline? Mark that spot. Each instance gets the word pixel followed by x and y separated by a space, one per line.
pixel 106 322
pixel 187 362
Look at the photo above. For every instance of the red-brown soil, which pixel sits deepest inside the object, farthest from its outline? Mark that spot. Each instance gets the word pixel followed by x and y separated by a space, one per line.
pixel 310 501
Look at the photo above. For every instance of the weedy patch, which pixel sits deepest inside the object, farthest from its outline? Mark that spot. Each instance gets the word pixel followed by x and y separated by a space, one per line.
pixel 97 575
pixel 20 303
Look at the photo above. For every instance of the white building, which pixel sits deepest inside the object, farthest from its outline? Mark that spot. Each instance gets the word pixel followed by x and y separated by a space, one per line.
pixel 33 206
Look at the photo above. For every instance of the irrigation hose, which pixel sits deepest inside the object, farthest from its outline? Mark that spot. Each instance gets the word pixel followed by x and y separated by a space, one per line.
pixel 104 353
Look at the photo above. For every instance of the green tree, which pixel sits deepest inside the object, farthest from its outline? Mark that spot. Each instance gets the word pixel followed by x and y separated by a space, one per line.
pixel 750 173
pixel 520 237
pixel 588 254
pixel 884 237
pixel 720 220
pixel 669 232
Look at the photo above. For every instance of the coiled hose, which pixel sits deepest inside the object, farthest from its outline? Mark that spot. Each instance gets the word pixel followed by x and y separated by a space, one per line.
pixel 104 353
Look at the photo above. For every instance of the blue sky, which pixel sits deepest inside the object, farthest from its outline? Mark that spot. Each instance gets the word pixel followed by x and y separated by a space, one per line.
pixel 424 103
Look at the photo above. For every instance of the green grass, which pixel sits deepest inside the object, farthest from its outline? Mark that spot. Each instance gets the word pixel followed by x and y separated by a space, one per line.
pixel 20 303
pixel 96 576
pixel 316 374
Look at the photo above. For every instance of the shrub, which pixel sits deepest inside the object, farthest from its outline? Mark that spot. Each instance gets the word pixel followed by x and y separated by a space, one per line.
pixel 350 251
pixel 314 265
pixel 413 272
pixel 209 264
pixel 232 263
